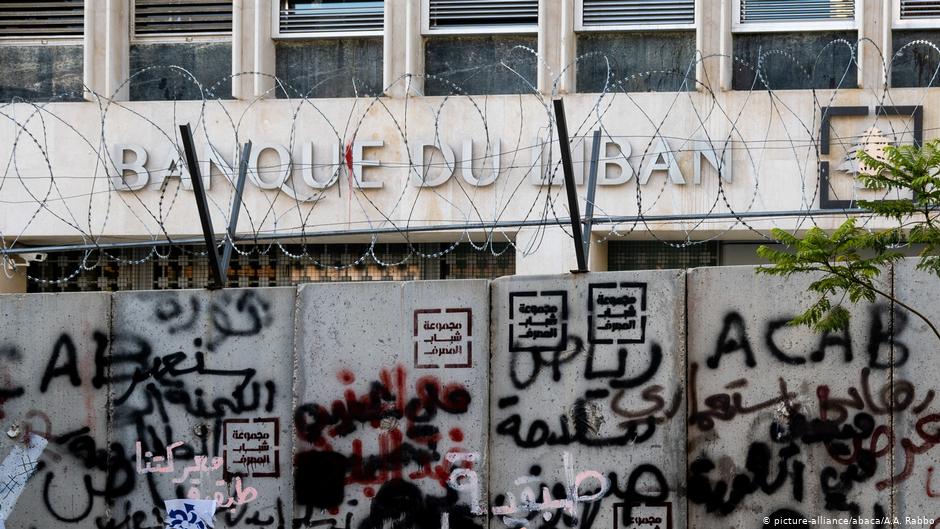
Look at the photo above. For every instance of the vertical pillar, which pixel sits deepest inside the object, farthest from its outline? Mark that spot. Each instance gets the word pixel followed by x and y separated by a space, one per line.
pixel 569 48
pixel 544 250
pixel 726 59
pixel 264 54
pixel 403 46
pixel 117 49
pixel 710 42
pixel 88 49
pixel 414 46
pixel 549 45
pixel 597 260
pixel 874 31
pixel 238 51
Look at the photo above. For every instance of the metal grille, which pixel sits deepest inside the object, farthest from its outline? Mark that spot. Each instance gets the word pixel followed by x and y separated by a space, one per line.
pixel 42 18
pixel 482 13
pixel 914 9
pixel 656 255
pixel 182 17
pixel 266 267
pixel 326 16
pixel 637 12
pixel 796 10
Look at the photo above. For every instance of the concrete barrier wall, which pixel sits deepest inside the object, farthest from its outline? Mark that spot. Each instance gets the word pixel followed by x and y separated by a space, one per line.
pixel 392 404
pixel 587 410
pixel 779 422
pixel 631 400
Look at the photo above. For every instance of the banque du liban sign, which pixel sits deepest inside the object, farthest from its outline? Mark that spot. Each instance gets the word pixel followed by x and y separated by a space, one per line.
pixel 430 164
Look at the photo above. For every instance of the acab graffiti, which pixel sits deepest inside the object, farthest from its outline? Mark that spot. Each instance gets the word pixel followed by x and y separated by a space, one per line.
pixel 592 409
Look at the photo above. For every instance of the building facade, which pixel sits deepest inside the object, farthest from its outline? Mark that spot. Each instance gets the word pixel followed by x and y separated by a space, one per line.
pixel 416 138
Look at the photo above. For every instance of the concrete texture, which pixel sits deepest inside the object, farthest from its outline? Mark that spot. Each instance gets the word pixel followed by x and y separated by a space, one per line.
pixel 53 355
pixel 912 399
pixel 774 411
pixel 610 399
pixel 205 376
pixel 587 399
pixel 153 77
pixel 392 405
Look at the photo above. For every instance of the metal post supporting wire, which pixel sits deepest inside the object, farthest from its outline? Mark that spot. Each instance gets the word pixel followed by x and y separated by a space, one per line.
pixel 568 169
pixel 236 207
pixel 202 205
pixel 592 188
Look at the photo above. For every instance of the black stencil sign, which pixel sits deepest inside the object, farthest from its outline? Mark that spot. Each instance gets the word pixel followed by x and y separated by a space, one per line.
pixel 251 447
pixel 643 515
pixel 443 338
pixel 617 313
pixel 538 321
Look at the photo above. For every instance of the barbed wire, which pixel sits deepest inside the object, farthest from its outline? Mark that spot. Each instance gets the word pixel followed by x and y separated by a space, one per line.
pixel 758 130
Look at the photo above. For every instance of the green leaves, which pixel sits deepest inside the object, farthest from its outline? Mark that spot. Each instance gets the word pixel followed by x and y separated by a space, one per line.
pixel 905 168
pixel 847 263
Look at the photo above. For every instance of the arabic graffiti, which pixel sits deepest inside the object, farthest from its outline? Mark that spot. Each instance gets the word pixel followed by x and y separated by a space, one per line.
pixel 516 513
pixel 443 338
pixel 402 422
pixel 786 423
pixel 587 376
pixel 538 321
pixel 583 404
pixel 605 324
pixel 251 447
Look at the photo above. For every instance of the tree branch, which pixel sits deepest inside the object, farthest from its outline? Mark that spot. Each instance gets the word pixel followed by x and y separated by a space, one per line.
pixel 887 296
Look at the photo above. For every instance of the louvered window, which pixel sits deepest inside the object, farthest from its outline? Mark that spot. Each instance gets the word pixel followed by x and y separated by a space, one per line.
pixel 182 17
pixel 325 18
pixel 917 14
pixel 42 18
pixel 636 14
pixel 785 15
pixel 918 9
pixel 481 16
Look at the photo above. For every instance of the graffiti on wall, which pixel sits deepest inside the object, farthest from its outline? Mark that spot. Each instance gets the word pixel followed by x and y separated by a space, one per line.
pixel 582 378
pixel 605 400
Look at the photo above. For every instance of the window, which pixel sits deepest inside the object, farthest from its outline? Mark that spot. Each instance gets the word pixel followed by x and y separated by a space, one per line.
pixel 619 15
pixel 794 15
pixel 635 45
pixel 182 18
pixel 270 266
pixel 480 47
pixel 329 48
pixel 42 51
pixel 328 18
pixel 660 255
pixel 194 35
pixel 797 44
pixel 480 17
pixel 914 60
pixel 916 14
pixel 42 19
